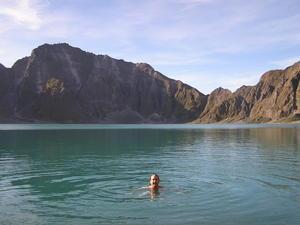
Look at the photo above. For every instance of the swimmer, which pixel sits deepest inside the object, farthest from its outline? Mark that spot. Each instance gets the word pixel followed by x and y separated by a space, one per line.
pixel 154 182
pixel 153 187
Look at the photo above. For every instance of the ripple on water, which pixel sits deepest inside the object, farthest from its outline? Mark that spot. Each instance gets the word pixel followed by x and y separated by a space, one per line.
pixel 209 177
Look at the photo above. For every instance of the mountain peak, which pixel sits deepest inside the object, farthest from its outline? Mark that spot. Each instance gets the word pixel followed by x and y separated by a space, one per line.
pixel 62 83
pixel 220 90
pixel 58 47
pixel 55 45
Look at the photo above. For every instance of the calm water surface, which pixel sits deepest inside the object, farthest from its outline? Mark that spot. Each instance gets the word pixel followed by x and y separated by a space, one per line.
pixel 90 174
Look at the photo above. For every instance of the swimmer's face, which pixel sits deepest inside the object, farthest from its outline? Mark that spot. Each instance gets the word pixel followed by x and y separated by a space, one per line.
pixel 154 180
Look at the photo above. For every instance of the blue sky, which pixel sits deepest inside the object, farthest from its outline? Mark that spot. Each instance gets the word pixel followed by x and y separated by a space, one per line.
pixel 205 43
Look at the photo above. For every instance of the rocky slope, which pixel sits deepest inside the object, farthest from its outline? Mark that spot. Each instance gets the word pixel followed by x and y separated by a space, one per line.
pixel 60 83
pixel 275 97
pixel 5 86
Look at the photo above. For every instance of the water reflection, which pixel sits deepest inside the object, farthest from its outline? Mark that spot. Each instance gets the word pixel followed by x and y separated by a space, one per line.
pixel 154 194
pixel 270 138
pixel 50 145
pixel 72 154
pixel 277 136
pixel 91 172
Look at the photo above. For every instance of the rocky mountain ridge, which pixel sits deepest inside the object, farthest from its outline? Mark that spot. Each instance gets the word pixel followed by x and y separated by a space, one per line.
pixel 63 84
pixel 274 98
pixel 60 83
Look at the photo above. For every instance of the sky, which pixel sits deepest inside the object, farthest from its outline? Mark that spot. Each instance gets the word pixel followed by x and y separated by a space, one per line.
pixel 204 43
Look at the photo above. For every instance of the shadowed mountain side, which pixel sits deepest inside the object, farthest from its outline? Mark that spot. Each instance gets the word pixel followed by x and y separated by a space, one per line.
pixel 61 83
pixel 6 86
pixel 274 98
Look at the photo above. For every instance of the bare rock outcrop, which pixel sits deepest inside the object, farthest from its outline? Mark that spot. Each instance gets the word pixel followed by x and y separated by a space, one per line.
pixel 275 97
pixel 6 86
pixel 61 83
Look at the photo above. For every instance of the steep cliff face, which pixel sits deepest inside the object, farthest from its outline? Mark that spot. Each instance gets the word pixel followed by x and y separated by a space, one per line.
pixel 5 80
pixel 276 96
pixel 6 86
pixel 212 109
pixel 60 83
pixel 65 84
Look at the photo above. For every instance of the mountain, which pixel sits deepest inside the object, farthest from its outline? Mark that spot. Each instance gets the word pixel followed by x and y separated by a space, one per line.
pixel 5 85
pixel 274 98
pixel 61 83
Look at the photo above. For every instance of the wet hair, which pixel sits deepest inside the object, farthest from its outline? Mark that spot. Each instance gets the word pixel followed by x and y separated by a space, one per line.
pixel 156 175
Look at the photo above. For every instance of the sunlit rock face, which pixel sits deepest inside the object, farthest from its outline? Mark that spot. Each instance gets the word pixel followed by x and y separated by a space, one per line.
pixel 61 83
pixel 275 97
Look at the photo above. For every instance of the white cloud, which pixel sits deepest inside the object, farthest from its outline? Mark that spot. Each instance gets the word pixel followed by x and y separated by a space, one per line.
pixel 169 34
pixel 283 63
pixel 189 4
pixel 4 26
pixel 172 59
pixel 25 13
pixel 192 1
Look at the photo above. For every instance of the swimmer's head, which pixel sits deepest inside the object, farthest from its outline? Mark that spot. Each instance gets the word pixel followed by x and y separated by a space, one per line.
pixel 154 180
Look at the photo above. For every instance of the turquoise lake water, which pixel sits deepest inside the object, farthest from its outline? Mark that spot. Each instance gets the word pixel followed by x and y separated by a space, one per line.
pixel 91 174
